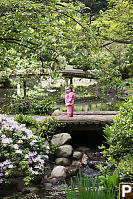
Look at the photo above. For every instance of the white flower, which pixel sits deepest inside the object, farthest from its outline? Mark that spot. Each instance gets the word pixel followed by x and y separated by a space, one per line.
pixel 18 151
pixel 15 146
pixel 6 140
pixel 26 156
pixel 24 137
pixel 46 156
pixel 20 141
pixel 10 166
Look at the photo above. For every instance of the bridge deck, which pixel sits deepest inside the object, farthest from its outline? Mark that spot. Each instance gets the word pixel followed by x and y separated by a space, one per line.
pixel 69 73
pixel 79 117
pixel 97 117
pixel 81 121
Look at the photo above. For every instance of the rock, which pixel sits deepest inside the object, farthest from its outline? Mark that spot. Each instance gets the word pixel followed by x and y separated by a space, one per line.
pixel 47 172
pixel 54 181
pixel 77 155
pixel 25 191
pixel 93 164
pixel 60 139
pixel 63 161
pixel 73 171
pixel 84 159
pixel 83 149
pixel 76 163
pixel 58 181
pixel 31 189
pixel 56 112
pixel 46 143
pixel 19 183
pixel 64 151
pixel 6 197
pixel 59 171
pixel 48 186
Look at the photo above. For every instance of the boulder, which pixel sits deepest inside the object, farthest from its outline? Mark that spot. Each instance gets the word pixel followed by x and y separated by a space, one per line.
pixel 31 189
pixel 63 161
pixel 94 164
pixel 84 159
pixel 76 164
pixel 64 151
pixel 72 171
pixel 59 171
pixel 77 155
pixel 56 112
pixel 83 149
pixel 48 186
pixel 61 138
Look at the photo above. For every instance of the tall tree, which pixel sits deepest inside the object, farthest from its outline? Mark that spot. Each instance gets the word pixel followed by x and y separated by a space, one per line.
pixel 46 31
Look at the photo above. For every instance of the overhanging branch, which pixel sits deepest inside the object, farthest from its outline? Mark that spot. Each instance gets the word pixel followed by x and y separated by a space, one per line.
pixel 18 42
pixel 122 41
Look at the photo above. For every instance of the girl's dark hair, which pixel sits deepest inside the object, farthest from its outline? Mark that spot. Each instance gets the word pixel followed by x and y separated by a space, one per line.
pixel 68 86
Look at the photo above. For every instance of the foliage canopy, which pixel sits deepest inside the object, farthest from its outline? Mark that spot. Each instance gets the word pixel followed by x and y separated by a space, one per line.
pixel 39 33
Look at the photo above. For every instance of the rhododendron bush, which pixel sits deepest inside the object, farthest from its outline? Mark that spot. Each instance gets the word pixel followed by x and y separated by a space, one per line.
pixel 21 152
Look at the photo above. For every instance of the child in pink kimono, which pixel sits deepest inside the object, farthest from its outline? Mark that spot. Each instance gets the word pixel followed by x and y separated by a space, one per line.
pixel 69 100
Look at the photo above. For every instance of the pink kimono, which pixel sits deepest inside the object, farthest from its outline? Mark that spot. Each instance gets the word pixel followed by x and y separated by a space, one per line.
pixel 69 100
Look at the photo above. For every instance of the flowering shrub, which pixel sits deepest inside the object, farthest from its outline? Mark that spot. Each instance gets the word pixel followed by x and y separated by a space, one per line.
pixel 20 105
pixel 36 107
pixel 22 152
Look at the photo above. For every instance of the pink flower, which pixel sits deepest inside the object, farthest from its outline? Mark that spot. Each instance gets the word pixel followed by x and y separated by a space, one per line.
pixel 6 173
pixel 30 161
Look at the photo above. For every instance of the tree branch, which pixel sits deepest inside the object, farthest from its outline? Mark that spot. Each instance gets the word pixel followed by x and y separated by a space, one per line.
pixel 17 41
pixel 72 19
pixel 122 41
pixel 59 4
pixel 104 45
pixel 111 52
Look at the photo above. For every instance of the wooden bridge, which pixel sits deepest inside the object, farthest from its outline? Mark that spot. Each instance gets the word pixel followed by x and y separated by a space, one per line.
pixel 85 120
pixel 81 121
pixel 68 73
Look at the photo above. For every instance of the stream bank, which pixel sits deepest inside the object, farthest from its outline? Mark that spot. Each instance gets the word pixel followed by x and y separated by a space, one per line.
pixel 85 155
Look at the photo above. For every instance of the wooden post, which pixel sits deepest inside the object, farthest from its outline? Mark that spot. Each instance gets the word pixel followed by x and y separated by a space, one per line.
pixel 24 86
pixel 18 89
pixel 71 80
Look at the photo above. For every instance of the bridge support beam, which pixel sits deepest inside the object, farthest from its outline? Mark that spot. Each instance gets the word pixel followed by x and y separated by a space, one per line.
pixel 85 127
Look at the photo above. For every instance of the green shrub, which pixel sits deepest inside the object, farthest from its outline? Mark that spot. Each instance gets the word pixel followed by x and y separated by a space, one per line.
pixel 110 182
pixel 119 136
pixel 43 107
pixel 48 127
pixel 85 190
pixel 5 82
pixel 27 120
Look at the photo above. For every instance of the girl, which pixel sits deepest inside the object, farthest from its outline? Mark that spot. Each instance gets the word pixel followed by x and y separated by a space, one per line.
pixel 69 100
